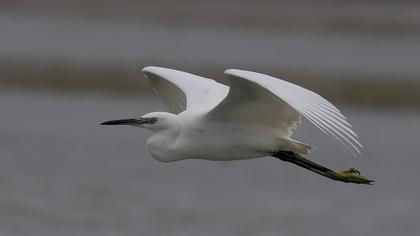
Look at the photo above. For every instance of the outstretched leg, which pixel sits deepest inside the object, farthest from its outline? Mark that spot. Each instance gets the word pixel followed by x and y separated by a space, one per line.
pixel 349 176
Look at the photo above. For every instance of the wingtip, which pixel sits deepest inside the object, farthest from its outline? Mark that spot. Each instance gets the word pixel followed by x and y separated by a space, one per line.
pixel 161 71
pixel 235 71
pixel 156 70
pixel 245 73
pixel 150 69
pixel 230 71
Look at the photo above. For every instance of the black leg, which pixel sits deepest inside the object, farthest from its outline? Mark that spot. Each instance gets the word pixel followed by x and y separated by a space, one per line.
pixel 349 176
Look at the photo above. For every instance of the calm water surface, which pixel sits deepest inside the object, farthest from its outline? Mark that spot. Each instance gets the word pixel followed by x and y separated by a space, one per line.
pixel 63 174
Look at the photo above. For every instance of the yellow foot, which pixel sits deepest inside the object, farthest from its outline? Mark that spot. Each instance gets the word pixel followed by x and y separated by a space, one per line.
pixel 352 176
pixel 351 171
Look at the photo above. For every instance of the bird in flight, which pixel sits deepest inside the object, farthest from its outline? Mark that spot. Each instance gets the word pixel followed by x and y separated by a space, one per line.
pixel 252 117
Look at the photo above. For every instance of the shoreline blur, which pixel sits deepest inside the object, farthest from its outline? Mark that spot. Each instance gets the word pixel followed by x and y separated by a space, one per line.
pixel 129 81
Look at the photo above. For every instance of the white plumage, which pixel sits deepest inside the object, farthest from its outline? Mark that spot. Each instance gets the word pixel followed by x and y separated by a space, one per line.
pixel 253 117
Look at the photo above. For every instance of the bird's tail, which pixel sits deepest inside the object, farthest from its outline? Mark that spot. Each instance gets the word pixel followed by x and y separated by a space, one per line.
pixel 349 176
pixel 294 146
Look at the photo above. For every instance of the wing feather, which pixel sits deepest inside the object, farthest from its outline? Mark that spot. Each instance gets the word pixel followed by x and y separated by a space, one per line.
pixel 248 103
pixel 270 94
pixel 182 91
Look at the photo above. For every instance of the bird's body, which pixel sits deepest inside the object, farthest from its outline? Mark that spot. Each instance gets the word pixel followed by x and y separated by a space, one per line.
pixel 197 138
pixel 253 117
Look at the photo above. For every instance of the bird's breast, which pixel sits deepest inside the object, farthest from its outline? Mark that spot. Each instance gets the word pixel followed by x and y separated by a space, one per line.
pixel 159 146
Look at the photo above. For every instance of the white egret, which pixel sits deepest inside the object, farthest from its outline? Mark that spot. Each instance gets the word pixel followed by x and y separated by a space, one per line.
pixel 253 117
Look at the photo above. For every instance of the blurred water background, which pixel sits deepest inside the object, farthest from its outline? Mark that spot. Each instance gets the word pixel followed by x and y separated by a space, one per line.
pixel 65 66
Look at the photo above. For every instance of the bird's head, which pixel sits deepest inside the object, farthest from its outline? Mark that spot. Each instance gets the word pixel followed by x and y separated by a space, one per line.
pixel 154 121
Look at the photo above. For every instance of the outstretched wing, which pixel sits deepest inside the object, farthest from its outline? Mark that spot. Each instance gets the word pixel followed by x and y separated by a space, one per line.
pixel 182 91
pixel 277 104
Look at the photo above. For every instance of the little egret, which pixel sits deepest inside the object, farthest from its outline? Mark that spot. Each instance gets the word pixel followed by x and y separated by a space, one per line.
pixel 253 117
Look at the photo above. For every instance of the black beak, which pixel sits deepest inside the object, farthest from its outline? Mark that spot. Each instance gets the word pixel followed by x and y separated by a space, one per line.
pixel 138 121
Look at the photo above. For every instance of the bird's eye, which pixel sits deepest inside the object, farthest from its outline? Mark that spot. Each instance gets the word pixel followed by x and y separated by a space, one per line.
pixel 154 120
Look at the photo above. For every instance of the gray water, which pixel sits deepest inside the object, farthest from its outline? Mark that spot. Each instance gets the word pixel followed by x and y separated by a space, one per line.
pixel 87 41
pixel 63 174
